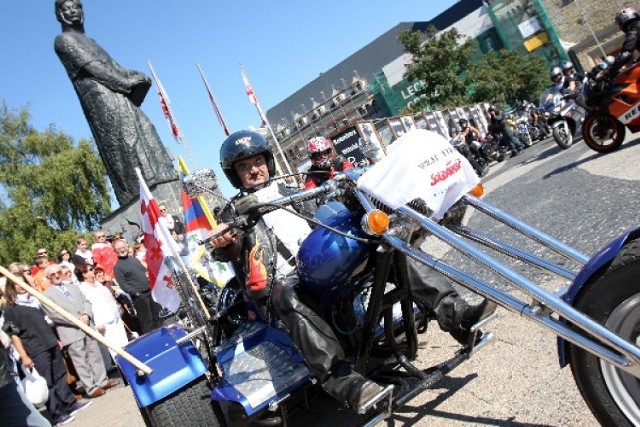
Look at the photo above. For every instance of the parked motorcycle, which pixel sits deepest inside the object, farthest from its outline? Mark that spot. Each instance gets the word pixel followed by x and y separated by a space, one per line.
pixel 562 115
pixel 352 267
pixel 479 163
pixel 614 105
pixel 492 149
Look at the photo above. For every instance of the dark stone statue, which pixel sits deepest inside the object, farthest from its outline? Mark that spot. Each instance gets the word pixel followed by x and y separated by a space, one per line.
pixel 111 96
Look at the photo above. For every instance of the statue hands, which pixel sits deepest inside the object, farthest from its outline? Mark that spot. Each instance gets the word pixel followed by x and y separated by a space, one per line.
pixel 139 88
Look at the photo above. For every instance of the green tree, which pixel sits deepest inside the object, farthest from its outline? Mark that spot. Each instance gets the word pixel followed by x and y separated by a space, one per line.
pixel 440 62
pixel 502 77
pixel 52 189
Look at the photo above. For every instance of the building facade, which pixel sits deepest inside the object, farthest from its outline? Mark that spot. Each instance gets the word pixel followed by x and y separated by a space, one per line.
pixel 370 84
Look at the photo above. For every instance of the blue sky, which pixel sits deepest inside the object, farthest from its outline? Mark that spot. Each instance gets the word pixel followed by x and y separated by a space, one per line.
pixel 283 44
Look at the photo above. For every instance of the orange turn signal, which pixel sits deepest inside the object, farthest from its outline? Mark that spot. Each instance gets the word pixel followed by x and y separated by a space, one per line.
pixel 477 191
pixel 376 222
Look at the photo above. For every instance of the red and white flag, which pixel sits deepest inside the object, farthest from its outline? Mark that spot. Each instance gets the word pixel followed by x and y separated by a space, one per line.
pixel 165 104
pixel 159 244
pixel 252 96
pixel 212 98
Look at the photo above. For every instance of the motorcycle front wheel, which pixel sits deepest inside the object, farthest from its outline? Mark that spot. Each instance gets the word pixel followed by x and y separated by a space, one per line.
pixel 612 299
pixel 603 133
pixel 562 136
pixel 525 138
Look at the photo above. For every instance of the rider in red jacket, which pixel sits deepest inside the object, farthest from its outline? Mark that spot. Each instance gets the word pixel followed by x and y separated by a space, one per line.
pixel 324 162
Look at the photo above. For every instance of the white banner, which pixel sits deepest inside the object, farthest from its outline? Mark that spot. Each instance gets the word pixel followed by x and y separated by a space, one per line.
pixel 420 164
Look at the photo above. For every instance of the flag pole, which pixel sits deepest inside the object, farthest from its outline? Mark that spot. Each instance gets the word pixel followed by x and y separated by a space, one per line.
pixel 77 322
pixel 213 101
pixel 254 100
pixel 165 103
pixel 167 236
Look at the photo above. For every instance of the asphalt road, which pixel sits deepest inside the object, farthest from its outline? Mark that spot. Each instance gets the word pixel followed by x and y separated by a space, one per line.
pixel 578 196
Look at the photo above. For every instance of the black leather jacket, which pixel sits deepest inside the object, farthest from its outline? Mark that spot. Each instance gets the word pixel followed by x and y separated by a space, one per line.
pixel 256 242
pixel 630 44
pixel 6 373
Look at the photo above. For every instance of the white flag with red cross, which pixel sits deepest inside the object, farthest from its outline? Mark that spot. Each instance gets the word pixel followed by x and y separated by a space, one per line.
pixel 253 98
pixel 158 244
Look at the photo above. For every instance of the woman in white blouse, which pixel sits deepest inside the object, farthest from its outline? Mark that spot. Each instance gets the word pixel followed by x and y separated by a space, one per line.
pixel 106 311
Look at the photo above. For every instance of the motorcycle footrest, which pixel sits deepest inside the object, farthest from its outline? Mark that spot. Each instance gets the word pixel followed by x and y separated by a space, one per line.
pixel 479 343
pixel 384 394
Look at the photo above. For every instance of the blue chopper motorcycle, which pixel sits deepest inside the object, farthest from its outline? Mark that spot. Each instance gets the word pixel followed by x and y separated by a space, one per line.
pixel 219 367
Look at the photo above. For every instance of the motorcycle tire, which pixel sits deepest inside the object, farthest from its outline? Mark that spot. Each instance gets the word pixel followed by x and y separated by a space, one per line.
pixel 525 138
pixel 612 299
pixel 189 406
pixel 562 138
pixel 594 137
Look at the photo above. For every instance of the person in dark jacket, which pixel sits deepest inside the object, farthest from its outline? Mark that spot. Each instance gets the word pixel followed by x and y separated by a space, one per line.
pixel 628 20
pixel 39 348
pixel 131 276
pixel 15 408
pixel 499 125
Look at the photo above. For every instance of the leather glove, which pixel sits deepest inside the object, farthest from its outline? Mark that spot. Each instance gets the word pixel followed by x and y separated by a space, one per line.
pixel 246 205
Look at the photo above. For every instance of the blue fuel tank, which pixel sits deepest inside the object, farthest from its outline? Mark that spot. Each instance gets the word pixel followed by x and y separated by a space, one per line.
pixel 327 259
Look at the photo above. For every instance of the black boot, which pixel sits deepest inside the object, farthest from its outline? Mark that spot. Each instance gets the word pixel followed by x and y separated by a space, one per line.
pixel 350 387
pixel 468 317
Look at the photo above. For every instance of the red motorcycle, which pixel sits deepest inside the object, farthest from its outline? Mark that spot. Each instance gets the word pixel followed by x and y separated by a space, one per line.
pixel 614 105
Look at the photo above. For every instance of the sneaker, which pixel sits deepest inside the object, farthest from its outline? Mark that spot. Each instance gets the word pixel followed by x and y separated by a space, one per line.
pixel 64 419
pixel 78 406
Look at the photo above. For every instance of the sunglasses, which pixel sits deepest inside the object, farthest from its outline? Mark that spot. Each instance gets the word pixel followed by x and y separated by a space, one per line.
pixel 42 253
pixel 55 275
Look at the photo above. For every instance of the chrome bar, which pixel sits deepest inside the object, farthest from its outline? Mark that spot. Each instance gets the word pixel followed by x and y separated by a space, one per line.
pixel 512 251
pixel 554 303
pixel 526 229
pixel 517 306
pixel 191 334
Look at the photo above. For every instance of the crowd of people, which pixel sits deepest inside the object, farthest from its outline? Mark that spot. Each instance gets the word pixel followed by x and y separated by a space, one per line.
pixel 106 287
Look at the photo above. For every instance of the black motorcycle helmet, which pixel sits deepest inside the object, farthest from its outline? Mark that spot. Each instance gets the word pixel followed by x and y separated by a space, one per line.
pixel 243 145
pixel 625 17
pixel 463 123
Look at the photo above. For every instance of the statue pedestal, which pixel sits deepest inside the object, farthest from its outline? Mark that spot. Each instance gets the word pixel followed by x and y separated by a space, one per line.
pixel 126 219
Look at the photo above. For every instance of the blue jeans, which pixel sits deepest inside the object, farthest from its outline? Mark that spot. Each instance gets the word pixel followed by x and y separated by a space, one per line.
pixel 16 409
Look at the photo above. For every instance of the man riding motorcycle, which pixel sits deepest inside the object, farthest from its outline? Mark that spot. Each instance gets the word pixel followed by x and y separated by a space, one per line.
pixel 471 136
pixel 264 259
pixel 572 84
pixel 324 162
pixel 458 141
pixel 628 20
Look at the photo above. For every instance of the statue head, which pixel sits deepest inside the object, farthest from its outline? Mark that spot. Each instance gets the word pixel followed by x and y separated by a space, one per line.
pixel 69 13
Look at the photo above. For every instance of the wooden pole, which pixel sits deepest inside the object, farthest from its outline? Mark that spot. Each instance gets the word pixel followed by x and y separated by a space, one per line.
pixel 77 322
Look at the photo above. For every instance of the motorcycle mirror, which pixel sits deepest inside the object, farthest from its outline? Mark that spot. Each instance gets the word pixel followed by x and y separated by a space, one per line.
pixel 200 182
